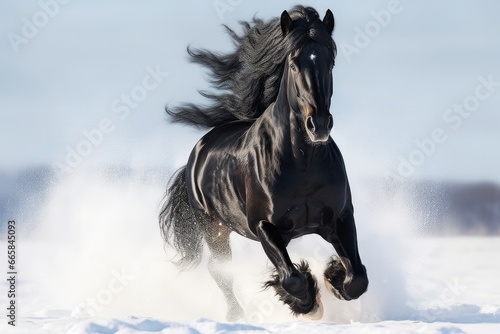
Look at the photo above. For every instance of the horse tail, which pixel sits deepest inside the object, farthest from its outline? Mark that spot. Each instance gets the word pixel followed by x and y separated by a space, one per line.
pixel 180 225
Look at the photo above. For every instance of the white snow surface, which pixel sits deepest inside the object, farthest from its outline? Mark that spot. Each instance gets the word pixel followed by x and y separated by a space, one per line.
pixel 95 263
pixel 91 259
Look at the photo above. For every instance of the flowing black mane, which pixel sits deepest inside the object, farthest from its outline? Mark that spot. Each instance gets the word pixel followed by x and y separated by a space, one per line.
pixel 250 76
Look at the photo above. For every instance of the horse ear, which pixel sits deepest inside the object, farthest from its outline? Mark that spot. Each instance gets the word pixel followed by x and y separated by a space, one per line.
pixel 286 23
pixel 329 21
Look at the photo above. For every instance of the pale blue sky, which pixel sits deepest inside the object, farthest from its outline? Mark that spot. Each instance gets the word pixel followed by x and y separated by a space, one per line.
pixel 395 90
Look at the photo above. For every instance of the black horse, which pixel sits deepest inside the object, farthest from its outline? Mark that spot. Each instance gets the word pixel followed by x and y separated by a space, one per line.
pixel 268 169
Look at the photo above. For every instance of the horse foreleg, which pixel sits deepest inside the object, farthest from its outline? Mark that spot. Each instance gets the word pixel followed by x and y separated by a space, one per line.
pixel 294 284
pixel 217 238
pixel 345 277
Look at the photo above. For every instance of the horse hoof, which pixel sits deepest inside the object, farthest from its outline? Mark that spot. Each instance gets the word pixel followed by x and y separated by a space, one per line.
pixel 335 276
pixel 299 305
pixel 235 313
pixel 352 290
pixel 234 317
pixel 332 290
pixel 318 313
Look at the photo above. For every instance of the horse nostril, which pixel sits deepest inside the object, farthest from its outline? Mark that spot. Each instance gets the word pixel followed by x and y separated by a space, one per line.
pixel 310 124
pixel 330 122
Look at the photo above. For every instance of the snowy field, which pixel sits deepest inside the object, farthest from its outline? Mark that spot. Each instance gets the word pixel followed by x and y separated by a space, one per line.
pixel 98 266
pixel 89 254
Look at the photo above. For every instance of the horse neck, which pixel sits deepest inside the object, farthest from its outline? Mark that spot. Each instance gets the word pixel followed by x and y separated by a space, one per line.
pixel 285 119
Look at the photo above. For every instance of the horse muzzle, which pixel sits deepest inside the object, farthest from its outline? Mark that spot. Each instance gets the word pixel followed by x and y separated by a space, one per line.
pixel 318 128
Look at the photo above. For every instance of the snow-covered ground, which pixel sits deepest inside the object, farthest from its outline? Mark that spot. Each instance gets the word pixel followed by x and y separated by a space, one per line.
pixel 93 262
pixel 90 256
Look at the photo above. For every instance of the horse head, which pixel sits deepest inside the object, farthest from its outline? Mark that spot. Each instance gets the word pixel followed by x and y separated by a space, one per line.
pixel 309 72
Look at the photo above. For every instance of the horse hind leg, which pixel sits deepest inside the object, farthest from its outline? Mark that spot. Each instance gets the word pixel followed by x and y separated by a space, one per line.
pixel 217 238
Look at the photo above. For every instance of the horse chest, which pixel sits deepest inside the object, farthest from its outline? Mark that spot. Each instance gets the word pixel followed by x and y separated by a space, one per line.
pixel 307 202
